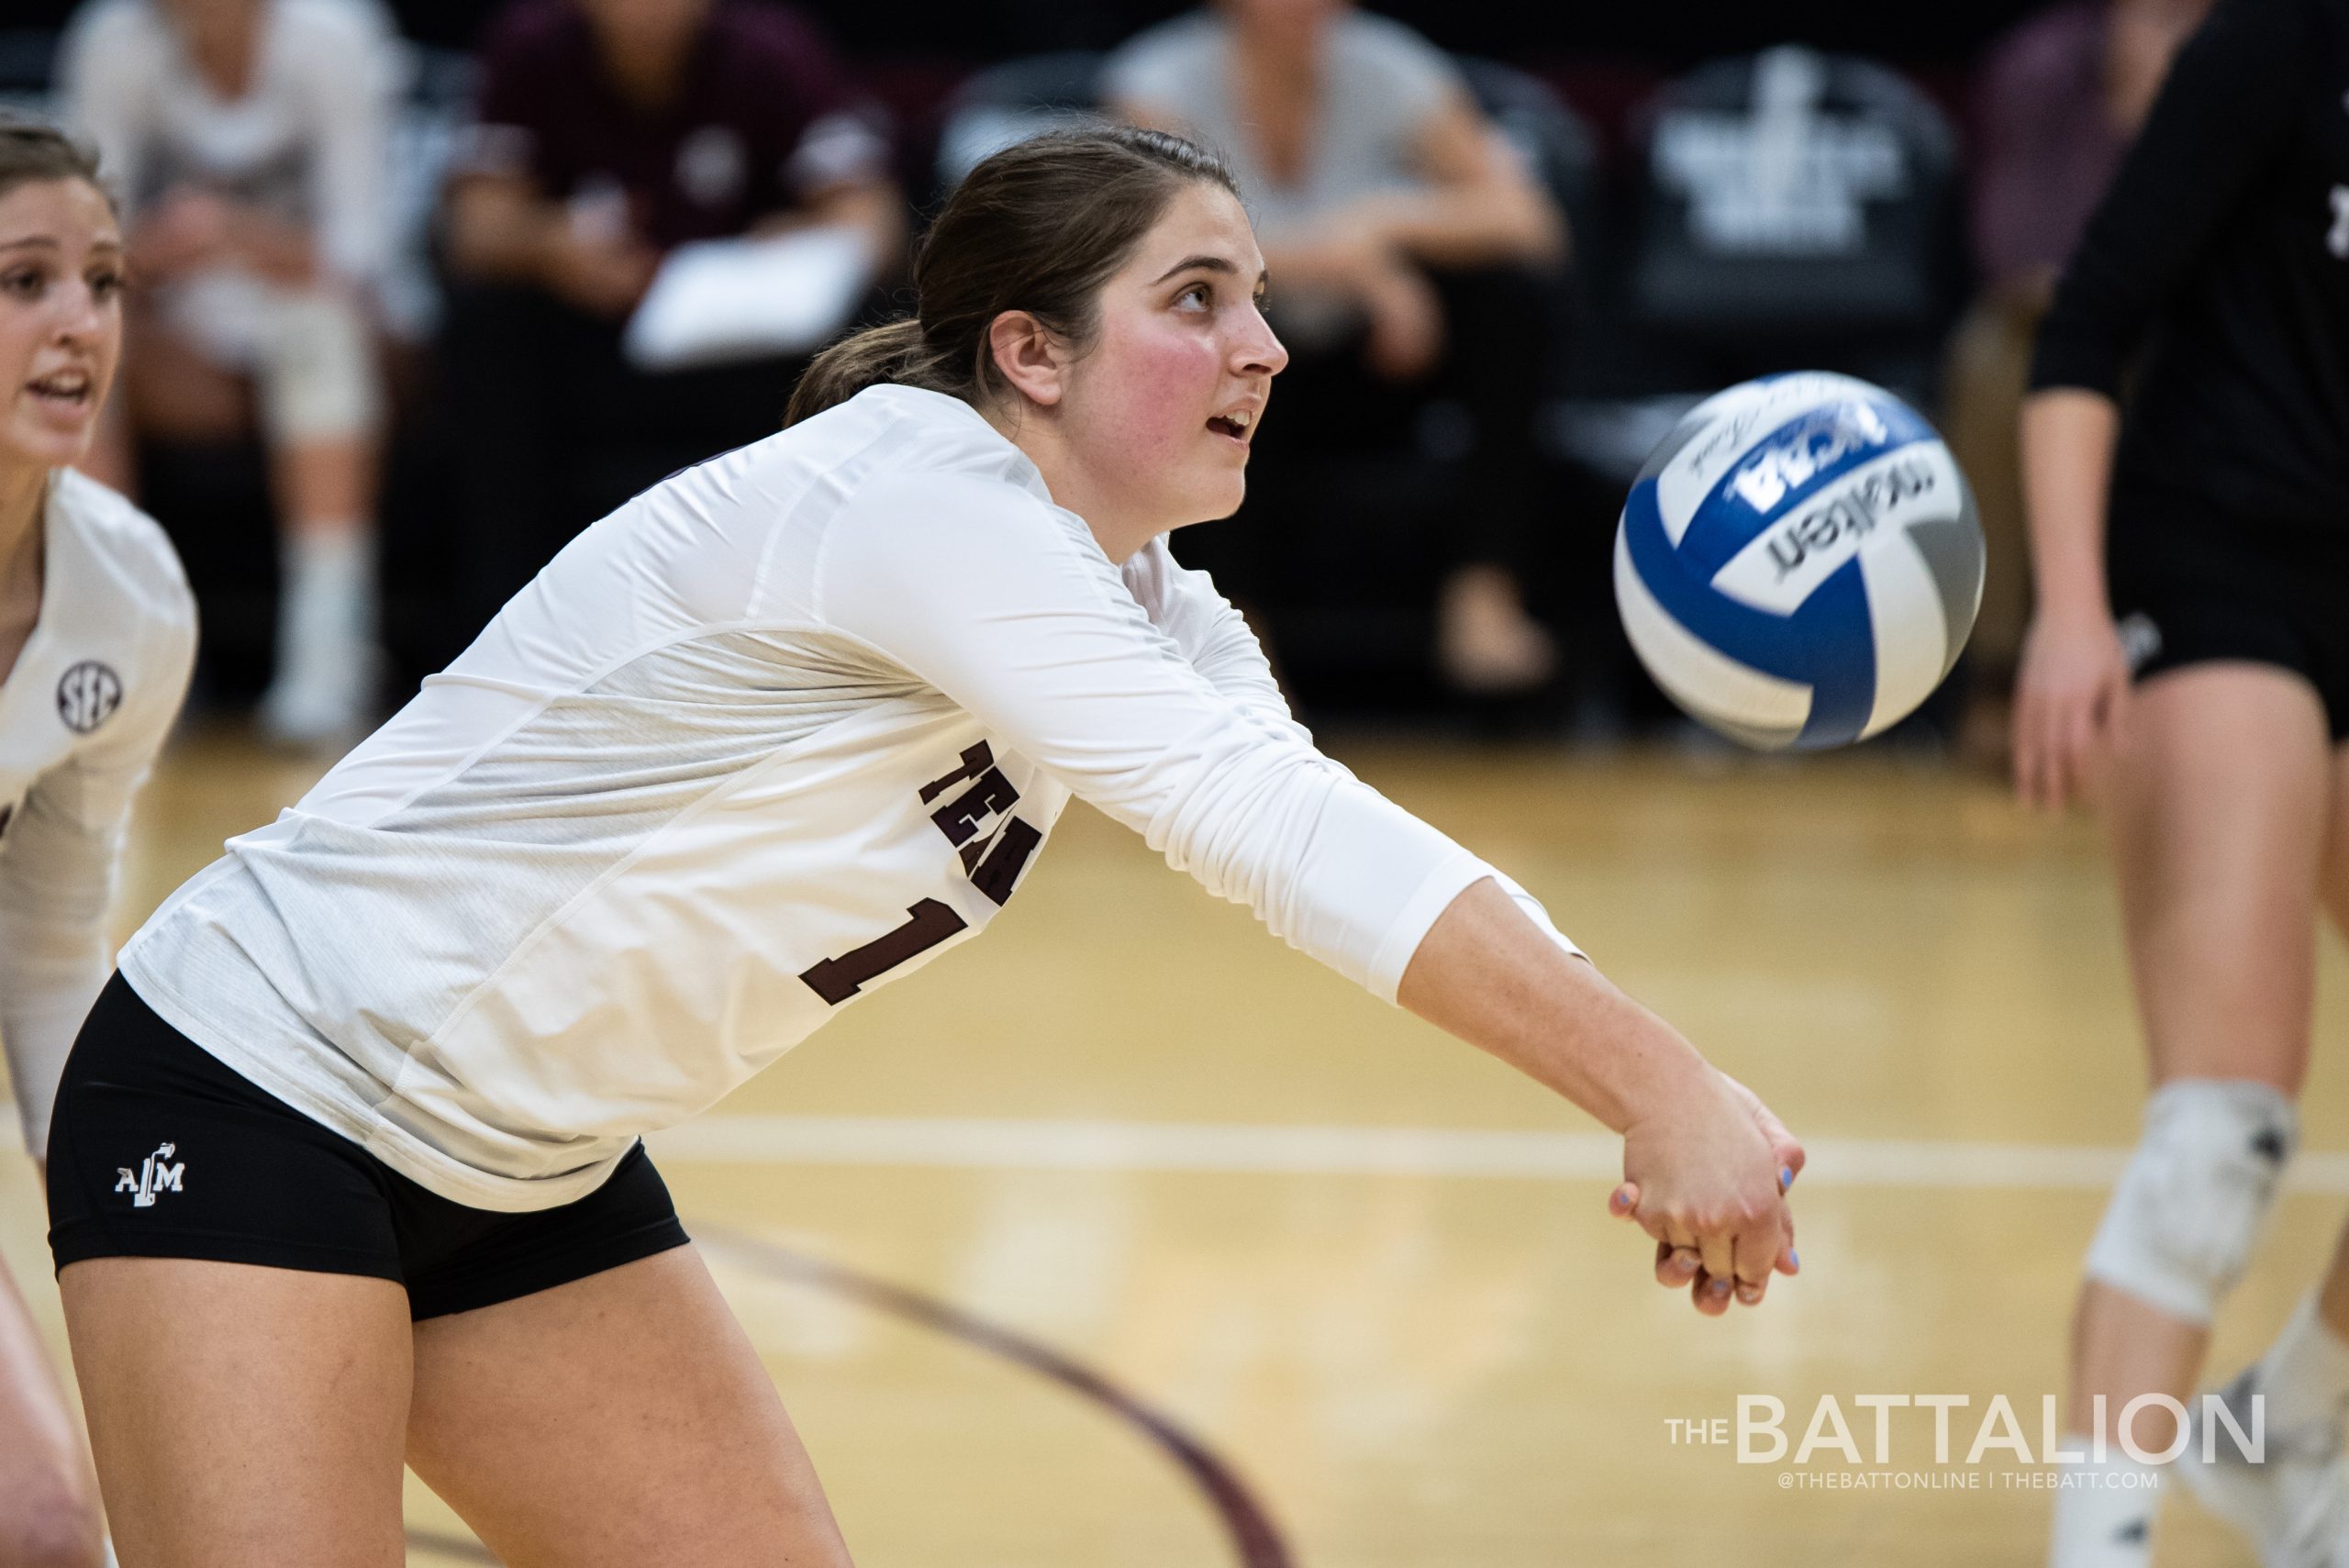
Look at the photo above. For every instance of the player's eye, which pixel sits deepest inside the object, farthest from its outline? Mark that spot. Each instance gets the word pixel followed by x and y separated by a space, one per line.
pixel 1200 293
pixel 24 283
pixel 106 283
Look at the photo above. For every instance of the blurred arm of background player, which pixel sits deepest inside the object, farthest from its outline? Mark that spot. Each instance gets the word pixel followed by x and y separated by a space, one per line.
pixel 501 228
pixel 1487 975
pixel 192 231
pixel 877 212
pixel 1478 208
pixel 2214 128
pixel 2074 690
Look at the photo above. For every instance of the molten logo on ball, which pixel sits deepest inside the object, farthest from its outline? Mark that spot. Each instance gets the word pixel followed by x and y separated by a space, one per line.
pixel 1847 517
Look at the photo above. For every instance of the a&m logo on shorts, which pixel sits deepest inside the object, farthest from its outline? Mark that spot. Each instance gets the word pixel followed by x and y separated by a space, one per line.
pixel 154 1175
pixel 87 695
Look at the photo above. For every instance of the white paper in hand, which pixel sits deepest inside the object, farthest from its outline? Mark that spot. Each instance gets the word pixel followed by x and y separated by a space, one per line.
pixel 737 299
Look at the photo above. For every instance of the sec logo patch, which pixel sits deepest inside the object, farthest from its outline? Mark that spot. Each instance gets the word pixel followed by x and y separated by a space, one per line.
pixel 87 695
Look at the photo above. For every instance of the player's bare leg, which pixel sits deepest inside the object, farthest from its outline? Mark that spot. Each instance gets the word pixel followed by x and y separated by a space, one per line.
pixel 568 1436
pixel 2332 1300
pixel 326 622
pixel 2218 809
pixel 243 1416
pixel 48 1498
pixel 2293 1502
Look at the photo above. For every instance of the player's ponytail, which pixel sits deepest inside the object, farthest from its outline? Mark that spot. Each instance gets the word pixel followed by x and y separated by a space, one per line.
pixel 33 149
pixel 892 352
pixel 1038 227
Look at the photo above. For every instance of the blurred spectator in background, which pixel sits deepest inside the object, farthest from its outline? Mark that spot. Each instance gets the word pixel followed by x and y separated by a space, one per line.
pixel 2060 99
pixel 1401 233
pixel 610 131
pixel 247 141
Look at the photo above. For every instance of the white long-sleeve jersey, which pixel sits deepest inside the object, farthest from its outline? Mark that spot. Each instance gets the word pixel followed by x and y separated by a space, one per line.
pixel 82 713
pixel 777 731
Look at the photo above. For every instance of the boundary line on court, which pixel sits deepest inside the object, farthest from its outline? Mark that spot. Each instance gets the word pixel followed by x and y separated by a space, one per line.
pixel 1249 1527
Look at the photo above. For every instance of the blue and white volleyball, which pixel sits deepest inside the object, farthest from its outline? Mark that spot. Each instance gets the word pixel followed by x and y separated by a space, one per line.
pixel 1799 563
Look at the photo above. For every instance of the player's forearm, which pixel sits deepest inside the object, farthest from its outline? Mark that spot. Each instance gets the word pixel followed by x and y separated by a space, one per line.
pixel 496 231
pixel 268 245
pixel 1487 975
pixel 1487 224
pixel 875 211
pixel 52 974
pixel 2068 434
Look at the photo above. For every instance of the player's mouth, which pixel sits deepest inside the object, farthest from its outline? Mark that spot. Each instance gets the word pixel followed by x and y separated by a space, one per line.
pixel 1237 426
pixel 65 391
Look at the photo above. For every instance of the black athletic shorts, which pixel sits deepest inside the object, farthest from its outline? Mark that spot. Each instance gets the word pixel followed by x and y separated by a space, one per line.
pixel 2191 584
pixel 160 1149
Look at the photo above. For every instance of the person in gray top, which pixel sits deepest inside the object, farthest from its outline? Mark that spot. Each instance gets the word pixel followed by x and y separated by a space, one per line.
pixel 1405 234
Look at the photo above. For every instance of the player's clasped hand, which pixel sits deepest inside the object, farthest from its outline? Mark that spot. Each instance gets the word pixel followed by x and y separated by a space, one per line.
pixel 1708 1179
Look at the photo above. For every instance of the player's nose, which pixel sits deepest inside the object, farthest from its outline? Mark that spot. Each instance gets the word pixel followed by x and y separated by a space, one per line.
pixel 1259 350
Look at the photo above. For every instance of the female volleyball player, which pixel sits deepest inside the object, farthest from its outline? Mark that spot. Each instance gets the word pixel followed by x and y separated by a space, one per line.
pixel 2220 592
pixel 346 1166
pixel 96 633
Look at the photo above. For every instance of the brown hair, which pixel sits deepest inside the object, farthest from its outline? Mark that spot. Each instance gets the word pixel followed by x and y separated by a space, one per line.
pixel 1038 227
pixel 32 149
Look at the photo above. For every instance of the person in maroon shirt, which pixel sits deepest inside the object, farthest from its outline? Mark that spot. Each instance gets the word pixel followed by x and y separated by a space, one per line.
pixel 606 132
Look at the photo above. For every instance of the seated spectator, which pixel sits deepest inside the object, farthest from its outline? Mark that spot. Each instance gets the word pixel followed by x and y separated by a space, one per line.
pixel 2061 97
pixel 247 139
pixel 1401 234
pixel 608 132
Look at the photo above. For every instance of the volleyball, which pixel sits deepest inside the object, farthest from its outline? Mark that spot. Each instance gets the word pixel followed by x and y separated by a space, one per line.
pixel 1799 562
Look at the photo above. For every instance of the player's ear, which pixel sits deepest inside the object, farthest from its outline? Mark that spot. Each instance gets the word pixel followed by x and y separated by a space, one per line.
pixel 1028 356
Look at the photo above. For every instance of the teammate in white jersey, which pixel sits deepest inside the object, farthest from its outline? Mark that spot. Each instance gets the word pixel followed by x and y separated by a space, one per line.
pixel 773 734
pixel 250 140
pixel 96 633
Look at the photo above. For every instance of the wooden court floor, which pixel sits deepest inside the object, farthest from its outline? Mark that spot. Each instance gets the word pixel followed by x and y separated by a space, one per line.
pixel 1128 1237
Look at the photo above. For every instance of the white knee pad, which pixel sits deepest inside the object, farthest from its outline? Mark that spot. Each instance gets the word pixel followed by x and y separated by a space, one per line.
pixel 317 369
pixel 2197 1193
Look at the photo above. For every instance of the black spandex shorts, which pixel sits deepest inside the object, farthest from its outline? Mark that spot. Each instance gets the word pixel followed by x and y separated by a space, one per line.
pixel 160 1149
pixel 2191 586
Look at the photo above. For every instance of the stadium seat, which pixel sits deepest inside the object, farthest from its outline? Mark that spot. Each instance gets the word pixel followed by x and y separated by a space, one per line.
pixel 1792 195
pixel 1788 209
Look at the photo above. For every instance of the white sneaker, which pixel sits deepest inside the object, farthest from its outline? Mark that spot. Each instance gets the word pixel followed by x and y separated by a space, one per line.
pixel 2293 1504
